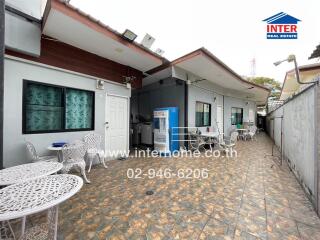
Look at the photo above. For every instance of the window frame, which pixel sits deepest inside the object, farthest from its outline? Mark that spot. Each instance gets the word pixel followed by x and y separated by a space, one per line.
pixel 234 124
pixel 63 88
pixel 202 122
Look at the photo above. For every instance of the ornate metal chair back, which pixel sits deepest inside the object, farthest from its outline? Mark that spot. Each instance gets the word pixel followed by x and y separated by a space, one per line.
pixel 93 140
pixel 32 151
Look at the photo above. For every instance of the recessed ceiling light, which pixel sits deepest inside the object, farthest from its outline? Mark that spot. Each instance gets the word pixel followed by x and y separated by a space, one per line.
pixel 129 35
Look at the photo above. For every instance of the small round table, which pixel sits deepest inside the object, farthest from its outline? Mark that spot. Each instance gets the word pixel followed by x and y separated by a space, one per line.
pixel 241 132
pixel 58 150
pixel 23 199
pixel 29 171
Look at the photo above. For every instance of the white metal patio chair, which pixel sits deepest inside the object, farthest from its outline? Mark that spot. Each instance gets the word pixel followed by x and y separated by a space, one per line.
pixel 227 143
pixel 251 133
pixel 44 231
pixel 196 142
pixel 73 158
pixel 35 157
pixel 6 231
pixel 93 146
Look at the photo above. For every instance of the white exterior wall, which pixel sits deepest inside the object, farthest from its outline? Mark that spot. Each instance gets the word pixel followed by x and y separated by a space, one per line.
pixel 22 35
pixel 275 126
pixel 199 94
pixel 298 136
pixel 14 140
pixel 207 92
pixel 33 8
pixel 230 102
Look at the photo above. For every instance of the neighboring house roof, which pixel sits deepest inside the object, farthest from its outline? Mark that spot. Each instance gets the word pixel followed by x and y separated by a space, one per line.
pixel 281 18
pixel 315 53
pixel 71 25
pixel 290 86
pixel 204 64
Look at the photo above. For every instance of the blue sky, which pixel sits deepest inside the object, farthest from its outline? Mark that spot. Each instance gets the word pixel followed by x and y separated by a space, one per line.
pixel 232 30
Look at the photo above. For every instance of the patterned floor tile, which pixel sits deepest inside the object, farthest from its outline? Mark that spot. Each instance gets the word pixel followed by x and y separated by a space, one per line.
pixel 308 232
pixel 280 227
pixel 241 235
pixel 248 197
pixel 215 229
pixel 255 226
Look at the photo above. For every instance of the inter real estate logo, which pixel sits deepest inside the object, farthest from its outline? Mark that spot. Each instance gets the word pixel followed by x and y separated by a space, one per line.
pixel 282 26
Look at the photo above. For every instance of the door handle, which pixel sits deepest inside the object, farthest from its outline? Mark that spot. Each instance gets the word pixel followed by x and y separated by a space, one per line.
pixel 106 124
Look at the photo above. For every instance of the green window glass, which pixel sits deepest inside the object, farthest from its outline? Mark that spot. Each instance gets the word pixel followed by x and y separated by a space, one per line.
pixel 203 114
pixel 49 108
pixel 43 108
pixel 236 116
pixel 79 108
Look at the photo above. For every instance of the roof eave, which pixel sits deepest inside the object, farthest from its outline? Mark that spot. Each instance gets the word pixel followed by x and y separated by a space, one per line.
pixel 208 54
pixel 76 13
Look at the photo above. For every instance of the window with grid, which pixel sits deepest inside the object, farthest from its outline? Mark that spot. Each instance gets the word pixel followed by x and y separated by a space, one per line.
pixel 50 108
pixel 236 116
pixel 203 114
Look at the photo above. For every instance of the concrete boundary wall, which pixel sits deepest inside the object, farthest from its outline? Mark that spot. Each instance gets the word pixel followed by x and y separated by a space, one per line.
pixel 299 137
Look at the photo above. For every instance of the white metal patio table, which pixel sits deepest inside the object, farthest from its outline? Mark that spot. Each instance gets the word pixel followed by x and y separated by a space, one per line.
pixel 210 134
pixel 26 172
pixel 210 137
pixel 241 132
pixel 23 199
pixel 58 150
pixel 29 171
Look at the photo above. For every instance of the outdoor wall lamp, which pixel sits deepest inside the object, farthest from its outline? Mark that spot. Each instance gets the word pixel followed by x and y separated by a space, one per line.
pixel 100 84
pixel 128 80
pixel 292 58
pixel 129 35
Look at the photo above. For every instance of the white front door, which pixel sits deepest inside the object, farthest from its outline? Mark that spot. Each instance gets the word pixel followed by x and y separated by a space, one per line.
pixel 117 124
pixel 220 119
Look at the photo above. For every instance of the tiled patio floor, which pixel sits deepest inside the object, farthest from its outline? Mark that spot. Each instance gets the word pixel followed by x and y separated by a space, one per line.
pixel 248 197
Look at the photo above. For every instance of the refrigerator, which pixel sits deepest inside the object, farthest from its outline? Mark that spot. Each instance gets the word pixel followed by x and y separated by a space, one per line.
pixel 166 132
